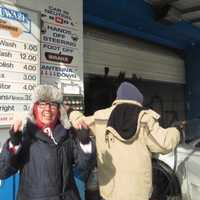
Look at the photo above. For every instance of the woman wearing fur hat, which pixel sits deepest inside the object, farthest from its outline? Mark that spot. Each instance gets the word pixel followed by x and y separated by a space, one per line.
pixel 41 150
pixel 126 136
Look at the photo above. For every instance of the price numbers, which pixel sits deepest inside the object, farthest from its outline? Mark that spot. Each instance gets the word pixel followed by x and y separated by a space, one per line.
pixel 29 77
pixel 29 87
pixel 30 67
pixel 26 107
pixel 27 97
pixel 27 56
pixel 30 47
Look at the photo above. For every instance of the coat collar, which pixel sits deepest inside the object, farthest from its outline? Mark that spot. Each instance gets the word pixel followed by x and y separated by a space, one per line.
pixel 120 101
pixel 59 133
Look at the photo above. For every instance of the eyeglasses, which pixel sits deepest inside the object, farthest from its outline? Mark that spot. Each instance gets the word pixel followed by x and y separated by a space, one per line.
pixel 43 104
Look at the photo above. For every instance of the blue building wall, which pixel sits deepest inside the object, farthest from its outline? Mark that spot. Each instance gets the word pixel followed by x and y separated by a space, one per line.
pixel 136 18
pixel 192 63
pixel 8 188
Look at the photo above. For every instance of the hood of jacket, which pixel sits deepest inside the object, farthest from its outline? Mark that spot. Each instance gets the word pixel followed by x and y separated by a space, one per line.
pixel 123 121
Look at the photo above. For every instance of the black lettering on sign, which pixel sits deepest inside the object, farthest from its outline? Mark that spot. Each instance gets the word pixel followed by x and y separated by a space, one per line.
pixel 6 54
pixel 29 77
pixel 31 47
pixel 59 35
pixel 29 87
pixel 26 107
pixel 59 41
pixel 6 64
pixel 7 97
pixel 64 49
pixel 56 68
pixel 4 86
pixel 49 46
pixel 58 57
pixel 7 108
pixel 6 43
pixel 29 57
pixel 30 67
pixel 2 76
pixel 59 29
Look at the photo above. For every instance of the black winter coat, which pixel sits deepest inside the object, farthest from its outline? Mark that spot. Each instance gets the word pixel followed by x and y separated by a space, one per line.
pixel 84 163
pixel 45 168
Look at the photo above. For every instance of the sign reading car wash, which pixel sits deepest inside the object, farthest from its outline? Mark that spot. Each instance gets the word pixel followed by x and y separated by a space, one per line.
pixel 19 60
pixel 61 51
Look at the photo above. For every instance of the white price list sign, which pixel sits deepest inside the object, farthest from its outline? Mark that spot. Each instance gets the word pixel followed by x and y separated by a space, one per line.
pixel 19 60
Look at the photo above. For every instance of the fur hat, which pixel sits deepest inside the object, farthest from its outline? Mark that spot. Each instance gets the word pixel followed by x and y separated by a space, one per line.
pixel 47 93
pixel 128 91
pixel 52 94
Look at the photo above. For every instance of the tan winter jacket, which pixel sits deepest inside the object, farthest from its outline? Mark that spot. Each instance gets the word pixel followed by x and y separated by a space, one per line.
pixel 124 166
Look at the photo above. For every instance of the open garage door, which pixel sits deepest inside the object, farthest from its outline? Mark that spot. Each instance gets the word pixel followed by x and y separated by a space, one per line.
pixel 134 57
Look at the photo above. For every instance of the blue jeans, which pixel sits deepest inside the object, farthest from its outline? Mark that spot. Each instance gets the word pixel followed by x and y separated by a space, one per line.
pixel 80 185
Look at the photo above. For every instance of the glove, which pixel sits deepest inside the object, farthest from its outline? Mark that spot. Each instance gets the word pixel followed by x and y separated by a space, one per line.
pixel 83 136
pixel 180 125
pixel 15 137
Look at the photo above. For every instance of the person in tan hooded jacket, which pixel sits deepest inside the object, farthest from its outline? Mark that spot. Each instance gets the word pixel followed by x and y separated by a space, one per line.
pixel 127 135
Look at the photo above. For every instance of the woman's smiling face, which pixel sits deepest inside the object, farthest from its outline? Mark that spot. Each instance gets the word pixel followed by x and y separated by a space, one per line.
pixel 47 112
